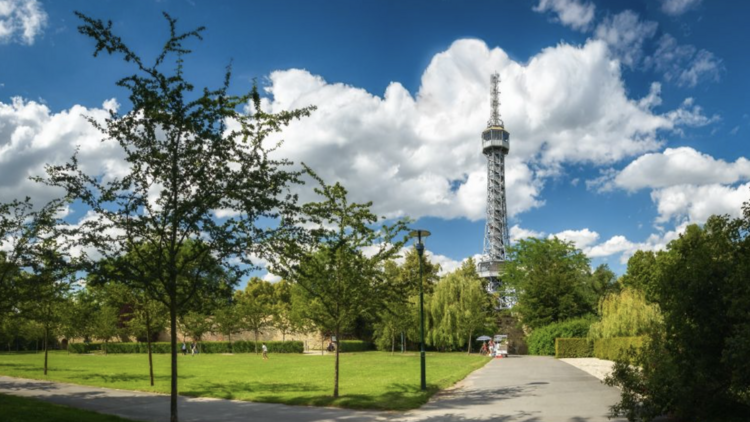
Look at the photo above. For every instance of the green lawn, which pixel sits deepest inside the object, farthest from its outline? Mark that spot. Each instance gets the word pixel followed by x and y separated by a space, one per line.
pixel 21 409
pixel 371 380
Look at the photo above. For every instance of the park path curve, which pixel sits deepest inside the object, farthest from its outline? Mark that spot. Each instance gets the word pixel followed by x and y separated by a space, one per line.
pixel 514 389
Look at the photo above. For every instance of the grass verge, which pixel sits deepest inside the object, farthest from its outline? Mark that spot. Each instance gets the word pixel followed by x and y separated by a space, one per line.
pixel 369 380
pixel 22 409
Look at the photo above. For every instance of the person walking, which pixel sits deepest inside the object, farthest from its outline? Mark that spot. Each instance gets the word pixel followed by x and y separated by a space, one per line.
pixel 265 352
pixel 192 349
pixel 184 348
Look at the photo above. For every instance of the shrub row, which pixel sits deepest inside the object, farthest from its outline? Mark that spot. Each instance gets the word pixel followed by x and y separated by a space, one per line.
pixel 542 340
pixel 355 346
pixel 204 347
pixel 574 348
pixel 617 348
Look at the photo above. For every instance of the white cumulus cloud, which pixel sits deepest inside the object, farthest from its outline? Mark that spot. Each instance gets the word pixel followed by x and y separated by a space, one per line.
pixel 696 203
pixel 684 64
pixel 678 166
pixel 21 21
pixel 31 135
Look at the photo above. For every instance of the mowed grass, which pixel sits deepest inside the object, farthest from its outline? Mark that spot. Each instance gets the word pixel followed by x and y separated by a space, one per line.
pixel 21 409
pixel 370 380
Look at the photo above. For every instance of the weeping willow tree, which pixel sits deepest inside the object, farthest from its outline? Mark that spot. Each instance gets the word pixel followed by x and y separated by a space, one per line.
pixel 625 314
pixel 458 309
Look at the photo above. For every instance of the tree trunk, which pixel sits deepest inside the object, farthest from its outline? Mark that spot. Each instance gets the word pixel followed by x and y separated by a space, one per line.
pixel 336 373
pixel 256 341
pixel 105 346
pixel 173 340
pixel 148 344
pixel 469 351
pixel 46 340
pixel 393 343
pixel 322 343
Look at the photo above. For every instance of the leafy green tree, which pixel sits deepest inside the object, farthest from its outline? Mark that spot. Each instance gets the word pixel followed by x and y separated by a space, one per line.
pixel 256 306
pixel 548 276
pixel 641 273
pixel 337 280
pixel 105 324
pixel 228 321
pixel 196 325
pixel 147 317
pixel 697 367
pixel 185 164
pixel 625 314
pixel 399 314
pixel 602 282
pixel 283 319
pixel 458 308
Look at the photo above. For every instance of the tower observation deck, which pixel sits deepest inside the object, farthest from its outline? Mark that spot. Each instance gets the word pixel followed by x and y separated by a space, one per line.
pixel 495 146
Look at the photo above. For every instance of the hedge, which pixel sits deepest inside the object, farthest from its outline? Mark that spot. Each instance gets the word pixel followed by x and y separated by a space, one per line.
pixel 204 347
pixel 355 346
pixel 617 348
pixel 573 348
pixel 542 340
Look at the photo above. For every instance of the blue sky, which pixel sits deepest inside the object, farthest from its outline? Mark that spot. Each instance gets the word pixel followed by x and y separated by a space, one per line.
pixel 628 119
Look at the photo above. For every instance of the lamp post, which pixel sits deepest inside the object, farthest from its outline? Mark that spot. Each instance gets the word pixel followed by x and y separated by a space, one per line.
pixel 420 234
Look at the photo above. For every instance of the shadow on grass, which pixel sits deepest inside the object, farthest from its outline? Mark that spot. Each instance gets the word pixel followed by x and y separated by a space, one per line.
pixel 116 378
pixel 235 390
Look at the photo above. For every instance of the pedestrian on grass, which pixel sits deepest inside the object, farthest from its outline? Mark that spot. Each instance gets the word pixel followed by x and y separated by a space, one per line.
pixel 192 349
pixel 184 348
pixel 265 352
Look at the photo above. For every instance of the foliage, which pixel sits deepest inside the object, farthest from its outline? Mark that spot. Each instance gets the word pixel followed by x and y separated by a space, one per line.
pixel 195 325
pixel 335 279
pixel 354 346
pixel 289 378
pixel 697 366
pixel 227 320
pixel 600 284
pixel 205 347
pixel 458 309
pixel 574 348
pixel 618 348
pixel 255 305
pixel 186 162
pixel 641 273
pixel 541 341
pixel 625 314
pixel 283 318
pixel 548 276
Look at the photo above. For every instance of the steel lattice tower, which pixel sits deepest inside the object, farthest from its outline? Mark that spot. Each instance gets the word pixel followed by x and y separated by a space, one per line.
pixel 495 146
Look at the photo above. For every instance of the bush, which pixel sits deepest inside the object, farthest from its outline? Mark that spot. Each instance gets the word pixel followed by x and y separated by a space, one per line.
pixel 617 348
pixel 573 348
pixel 204 347
pixel 355 346
pixel 542 340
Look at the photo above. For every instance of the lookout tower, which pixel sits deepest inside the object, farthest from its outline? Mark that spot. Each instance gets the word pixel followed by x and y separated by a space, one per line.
pixel 495 146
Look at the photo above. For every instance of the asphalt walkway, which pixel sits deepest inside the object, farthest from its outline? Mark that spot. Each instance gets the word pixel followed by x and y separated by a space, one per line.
pixel 514 389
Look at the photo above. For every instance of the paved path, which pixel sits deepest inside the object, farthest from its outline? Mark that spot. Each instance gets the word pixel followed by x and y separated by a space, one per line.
pixel 515 389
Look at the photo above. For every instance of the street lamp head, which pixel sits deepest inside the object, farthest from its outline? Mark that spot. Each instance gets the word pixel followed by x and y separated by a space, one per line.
pixel 419 234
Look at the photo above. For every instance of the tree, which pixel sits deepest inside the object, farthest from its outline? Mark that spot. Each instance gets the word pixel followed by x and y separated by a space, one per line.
pixel 602 282
pixel 548 276
pixel 196 325
pixel 458 308
pixel 256 306
pixel 186 162
pixel 399 315
pixel 697 366
pixel 641 273
pixel 625 314
pixel 147 318
pixel 105 323
pixel 338 281
pixel 228 321
pixel 283 318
